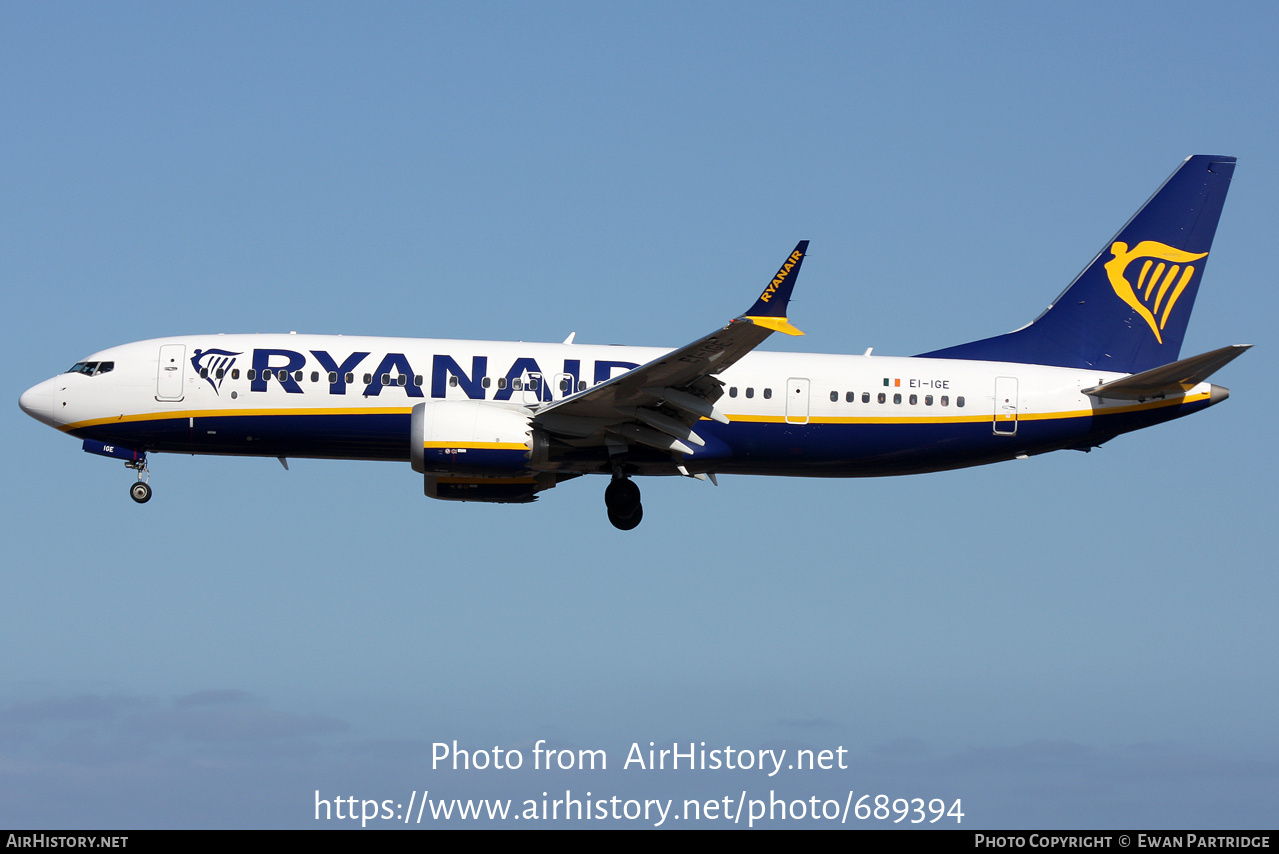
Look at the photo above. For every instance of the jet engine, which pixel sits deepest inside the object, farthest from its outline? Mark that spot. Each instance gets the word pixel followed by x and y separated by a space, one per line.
pixel 471 450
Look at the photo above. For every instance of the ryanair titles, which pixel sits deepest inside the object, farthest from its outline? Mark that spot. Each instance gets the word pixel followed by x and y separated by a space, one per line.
pixel 372 375
pixel 781 275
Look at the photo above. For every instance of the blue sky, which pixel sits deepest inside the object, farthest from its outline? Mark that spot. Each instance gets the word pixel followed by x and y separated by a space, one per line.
pixel 1072 640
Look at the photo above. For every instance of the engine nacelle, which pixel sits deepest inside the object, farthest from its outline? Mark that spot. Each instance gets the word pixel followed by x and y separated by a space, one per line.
pixel 492 490
pixel 471 450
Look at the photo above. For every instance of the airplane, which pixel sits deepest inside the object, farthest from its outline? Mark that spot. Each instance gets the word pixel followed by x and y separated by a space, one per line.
pixel 502 422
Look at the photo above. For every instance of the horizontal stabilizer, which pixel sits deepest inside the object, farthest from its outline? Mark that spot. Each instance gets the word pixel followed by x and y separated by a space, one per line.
pixel 1174 378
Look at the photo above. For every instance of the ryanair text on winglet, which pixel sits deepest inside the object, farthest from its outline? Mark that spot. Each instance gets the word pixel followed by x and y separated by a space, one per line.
pixel 781 275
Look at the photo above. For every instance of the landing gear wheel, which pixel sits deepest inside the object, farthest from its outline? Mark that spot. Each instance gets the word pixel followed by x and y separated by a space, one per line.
pixel 628 522
pixel 141 490
pixel 622 497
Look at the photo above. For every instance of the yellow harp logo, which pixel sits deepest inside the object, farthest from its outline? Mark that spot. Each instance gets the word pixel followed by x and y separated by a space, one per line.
pixel 1163 276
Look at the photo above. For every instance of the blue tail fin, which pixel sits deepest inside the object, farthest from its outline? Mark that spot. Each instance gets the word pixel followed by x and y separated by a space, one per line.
pixel 1127 311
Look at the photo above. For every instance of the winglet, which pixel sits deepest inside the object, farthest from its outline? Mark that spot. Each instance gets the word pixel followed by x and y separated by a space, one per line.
pixel 769 310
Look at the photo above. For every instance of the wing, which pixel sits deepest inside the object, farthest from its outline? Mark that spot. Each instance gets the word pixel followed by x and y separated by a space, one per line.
pixel 656 404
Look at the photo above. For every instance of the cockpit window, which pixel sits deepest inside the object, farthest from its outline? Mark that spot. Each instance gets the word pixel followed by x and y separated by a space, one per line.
pixel 91 369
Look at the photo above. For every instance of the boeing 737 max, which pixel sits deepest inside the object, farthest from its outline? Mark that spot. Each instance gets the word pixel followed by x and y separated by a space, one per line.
pixel 501 422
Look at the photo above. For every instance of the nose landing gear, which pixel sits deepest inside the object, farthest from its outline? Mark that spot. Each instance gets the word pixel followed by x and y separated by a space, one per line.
pixel 141 490
pixel 622 498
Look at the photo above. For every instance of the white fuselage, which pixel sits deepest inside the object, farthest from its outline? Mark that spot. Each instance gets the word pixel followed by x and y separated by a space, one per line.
pixel 789 413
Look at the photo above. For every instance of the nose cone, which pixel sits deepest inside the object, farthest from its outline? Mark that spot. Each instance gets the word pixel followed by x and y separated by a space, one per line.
pixel 37 402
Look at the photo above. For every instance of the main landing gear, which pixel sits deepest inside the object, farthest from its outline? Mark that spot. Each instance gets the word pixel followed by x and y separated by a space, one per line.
pixel 622 497
pixel 141 490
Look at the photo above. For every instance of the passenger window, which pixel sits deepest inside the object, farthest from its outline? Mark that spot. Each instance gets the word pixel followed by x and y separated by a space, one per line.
pixel 750 392
pixel 350 377
pixel 850 397
pixel 368 378
pixel 834 397
pixel 315 376
pixel 333 377
pixel 897 398
pixel 386 379
pixel 402 380
pixel 959 401
pixel 768 394
pixel 266 374
pixel 732 391
pixel 565 385
pixel 485 383
pixel 928 400
pixel 914 399
pixel 417 379
pixel 501 382
pixel 252 374
pixel 452 381
pixel 883 398
pixel 221 373
pixel 517 384
pixel 235 373
pixel 945 400
pixel 866 397
pixel 581 385
pixel 204 373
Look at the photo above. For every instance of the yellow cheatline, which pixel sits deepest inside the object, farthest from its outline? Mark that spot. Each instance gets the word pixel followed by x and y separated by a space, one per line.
pixel 234 413
pixel 478 446
pixel 757 419
pixel 972 419
pixel 863 419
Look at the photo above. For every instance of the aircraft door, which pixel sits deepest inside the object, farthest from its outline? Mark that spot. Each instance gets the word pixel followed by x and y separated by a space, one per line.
pixel 169 373
pixel 797 400
pixel 1006 406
